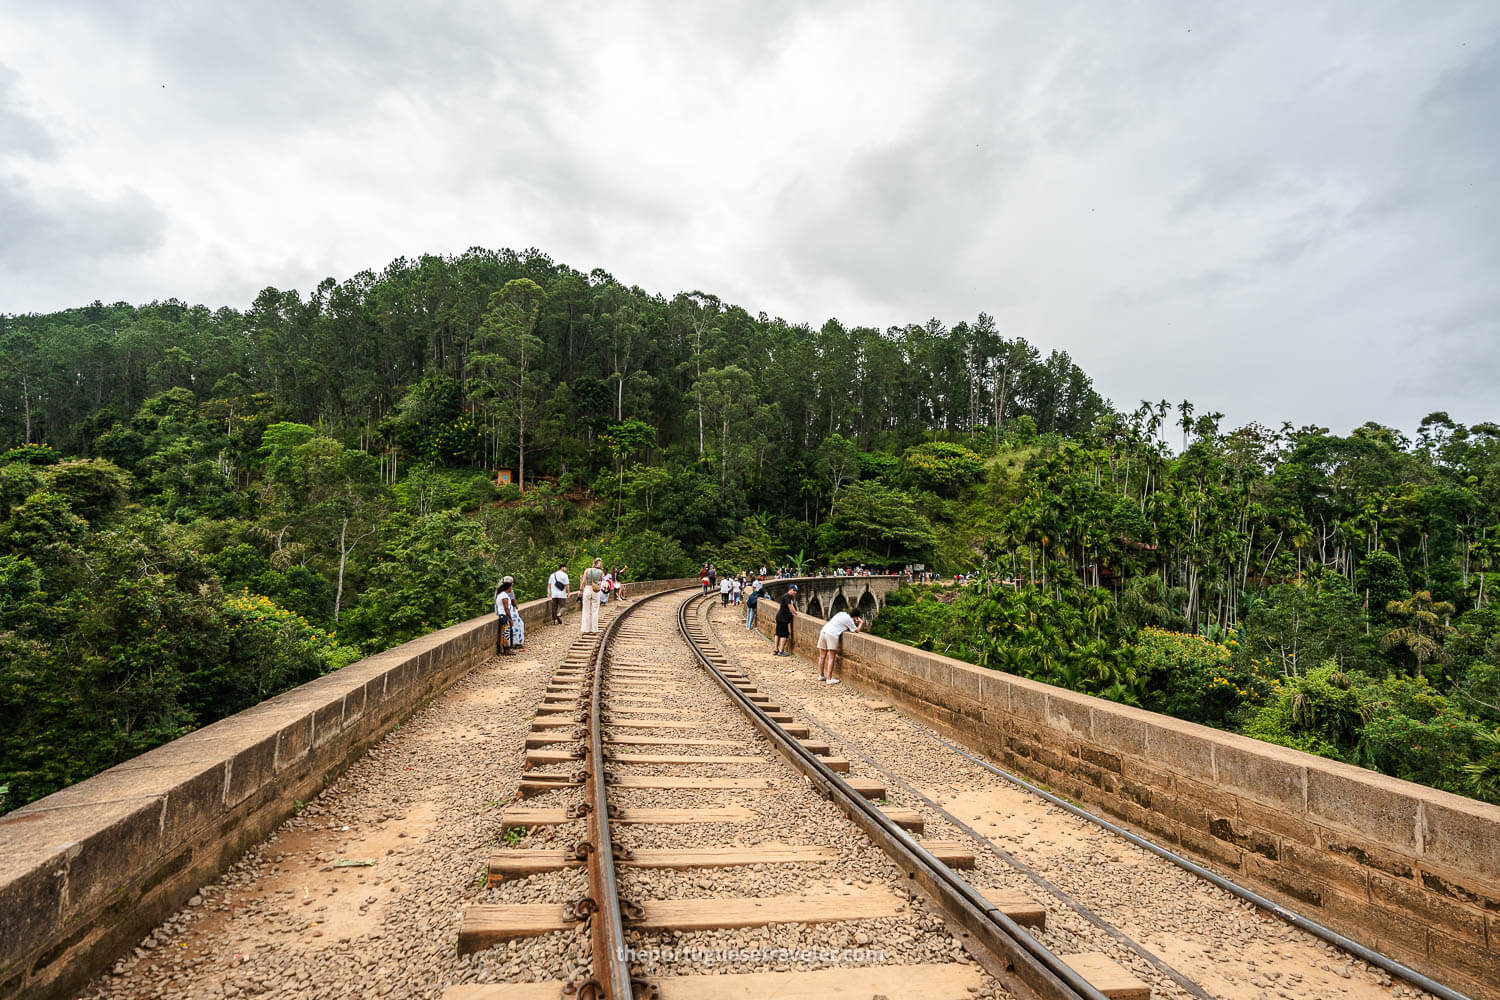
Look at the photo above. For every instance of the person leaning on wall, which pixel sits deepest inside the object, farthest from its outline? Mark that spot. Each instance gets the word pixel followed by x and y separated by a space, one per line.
pixel 828 643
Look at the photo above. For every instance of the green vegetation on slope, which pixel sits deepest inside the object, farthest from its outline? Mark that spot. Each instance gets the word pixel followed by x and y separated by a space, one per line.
pixel 201 508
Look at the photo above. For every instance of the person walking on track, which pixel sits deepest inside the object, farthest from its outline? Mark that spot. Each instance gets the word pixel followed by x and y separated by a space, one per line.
pixel 786 613
pixel 593 580
pixel 828 643
pixel 558 589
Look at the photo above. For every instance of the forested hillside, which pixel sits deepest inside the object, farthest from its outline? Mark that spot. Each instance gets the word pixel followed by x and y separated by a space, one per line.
pixel 204 507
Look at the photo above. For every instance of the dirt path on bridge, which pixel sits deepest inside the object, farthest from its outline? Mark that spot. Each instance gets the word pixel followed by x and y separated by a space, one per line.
pixel 359 895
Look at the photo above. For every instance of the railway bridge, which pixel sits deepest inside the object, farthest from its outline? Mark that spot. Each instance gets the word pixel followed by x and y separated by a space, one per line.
pixel 892 835
pixel 826 596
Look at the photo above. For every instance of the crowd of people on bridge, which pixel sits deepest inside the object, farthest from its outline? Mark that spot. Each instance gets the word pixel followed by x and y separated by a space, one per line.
pixel 598 584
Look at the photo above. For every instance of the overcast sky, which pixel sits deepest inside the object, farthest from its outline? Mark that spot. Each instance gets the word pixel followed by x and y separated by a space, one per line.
pixel 1283 211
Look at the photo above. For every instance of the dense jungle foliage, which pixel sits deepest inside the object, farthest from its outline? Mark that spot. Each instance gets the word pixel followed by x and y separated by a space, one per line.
pixel 201 508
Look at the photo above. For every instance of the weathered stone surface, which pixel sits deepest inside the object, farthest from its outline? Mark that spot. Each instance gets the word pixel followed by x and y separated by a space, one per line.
pixel 1479 964
pixel 31 887
pixel 1182 747
pixel 1262 772
pixel 1373 806
pixel 1463 922
pixel 1339 871
pixel 1460 833
pixel 1070 713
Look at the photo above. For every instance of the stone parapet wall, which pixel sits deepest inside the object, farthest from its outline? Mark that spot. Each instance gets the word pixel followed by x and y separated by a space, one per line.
pixel 1401 868
pixel 86 872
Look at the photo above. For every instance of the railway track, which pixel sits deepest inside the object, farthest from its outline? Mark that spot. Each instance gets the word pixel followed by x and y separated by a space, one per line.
pixel 729 854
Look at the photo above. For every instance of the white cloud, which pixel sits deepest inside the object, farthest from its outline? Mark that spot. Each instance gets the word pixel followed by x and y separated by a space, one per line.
pixel 1282 212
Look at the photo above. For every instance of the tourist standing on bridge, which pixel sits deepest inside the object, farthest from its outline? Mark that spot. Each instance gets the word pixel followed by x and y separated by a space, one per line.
pixel 505 614
pixel 593 580
pixel 828 643
pixel 726 585
pixel 752 597
pixel 558 588
pixel 517 626
pixel 786 614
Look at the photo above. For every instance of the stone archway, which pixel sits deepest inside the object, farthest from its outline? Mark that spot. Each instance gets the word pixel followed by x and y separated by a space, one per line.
pixel 839 604
pixel 814 606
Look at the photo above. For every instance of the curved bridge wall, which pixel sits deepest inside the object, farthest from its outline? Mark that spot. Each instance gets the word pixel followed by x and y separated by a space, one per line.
pixel 1399 867
pixel 86 872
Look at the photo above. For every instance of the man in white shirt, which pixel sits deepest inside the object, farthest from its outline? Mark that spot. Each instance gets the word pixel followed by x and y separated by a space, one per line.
pixel 828 643
pixel 558 589
pixel 726 584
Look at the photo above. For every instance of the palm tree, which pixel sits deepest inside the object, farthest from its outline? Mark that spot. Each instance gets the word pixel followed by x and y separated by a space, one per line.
pixel 1484 774
pixel 1427 626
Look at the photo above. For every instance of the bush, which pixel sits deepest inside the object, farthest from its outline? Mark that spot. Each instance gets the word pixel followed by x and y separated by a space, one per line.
pixel 1193 678
pixel 941 467
pixel 1411 731
pixel 1272 723
pixel 269 649
pixel 31 454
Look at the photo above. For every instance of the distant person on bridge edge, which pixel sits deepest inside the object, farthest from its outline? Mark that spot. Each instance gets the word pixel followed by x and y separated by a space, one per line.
pixel 786 613
pixel 828 643
pixel 591 584
pixel 558 589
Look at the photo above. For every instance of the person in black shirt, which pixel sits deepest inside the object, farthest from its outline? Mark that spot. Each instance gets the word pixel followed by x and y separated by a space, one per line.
pixel 786 613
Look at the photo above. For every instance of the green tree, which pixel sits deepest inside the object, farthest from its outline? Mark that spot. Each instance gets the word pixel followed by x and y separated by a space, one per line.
pixel 877 525
pixel 1425 625
pixel 506 364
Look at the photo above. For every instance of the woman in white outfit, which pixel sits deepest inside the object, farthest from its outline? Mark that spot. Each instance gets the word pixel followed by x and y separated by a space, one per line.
pixel 593 580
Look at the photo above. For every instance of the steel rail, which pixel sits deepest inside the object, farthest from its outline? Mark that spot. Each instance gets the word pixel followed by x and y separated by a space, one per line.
pixel 611 977
pixel 1015 955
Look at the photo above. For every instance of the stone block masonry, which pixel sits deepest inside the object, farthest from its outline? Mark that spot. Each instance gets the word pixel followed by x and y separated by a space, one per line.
pixel 1401 868
pixel 86 872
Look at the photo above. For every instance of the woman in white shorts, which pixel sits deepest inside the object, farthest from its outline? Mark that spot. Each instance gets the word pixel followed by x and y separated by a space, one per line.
pixel 828 643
